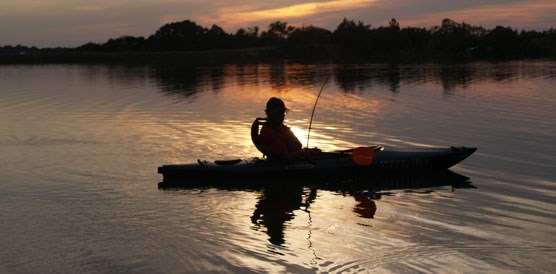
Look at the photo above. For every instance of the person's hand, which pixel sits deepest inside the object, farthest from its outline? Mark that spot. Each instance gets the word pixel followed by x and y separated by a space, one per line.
pixel 315 150
pixel 312 151
pixel 259 121
pixel 308 154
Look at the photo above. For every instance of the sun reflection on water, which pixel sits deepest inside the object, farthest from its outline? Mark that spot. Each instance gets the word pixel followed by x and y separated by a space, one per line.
pixel 81 162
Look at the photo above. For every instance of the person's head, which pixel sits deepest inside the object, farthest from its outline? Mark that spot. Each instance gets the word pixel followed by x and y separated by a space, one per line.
pixel 275 110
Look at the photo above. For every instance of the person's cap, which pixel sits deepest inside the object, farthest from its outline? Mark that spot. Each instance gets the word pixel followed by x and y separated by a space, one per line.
pixel 275 105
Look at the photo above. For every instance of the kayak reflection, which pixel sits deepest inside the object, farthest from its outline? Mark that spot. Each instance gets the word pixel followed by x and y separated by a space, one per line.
pixel 278 201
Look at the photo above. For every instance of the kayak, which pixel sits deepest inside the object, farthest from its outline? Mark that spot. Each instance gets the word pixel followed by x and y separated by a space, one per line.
pixel 337 165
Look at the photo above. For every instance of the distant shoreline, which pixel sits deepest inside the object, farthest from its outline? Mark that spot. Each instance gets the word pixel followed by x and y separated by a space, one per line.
pixel 145 57
pixel 230 56
pixel 351 42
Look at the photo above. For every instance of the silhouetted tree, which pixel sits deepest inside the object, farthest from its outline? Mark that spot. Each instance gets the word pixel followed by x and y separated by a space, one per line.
pixel 387 39
pixel 535 43
pixel 90 47
pixel 502 41
pixel 415 40
pixel 453 38
pixel 217 38
pixel 18 49
pixel 185 35
pixel 353 37
pixel 276 34
pixel 308 41
pixel 124 43
pixel 350 40
pixel 394 25
pixel 246 38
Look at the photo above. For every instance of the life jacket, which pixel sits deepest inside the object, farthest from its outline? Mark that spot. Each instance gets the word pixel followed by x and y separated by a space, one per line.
pixel 285 137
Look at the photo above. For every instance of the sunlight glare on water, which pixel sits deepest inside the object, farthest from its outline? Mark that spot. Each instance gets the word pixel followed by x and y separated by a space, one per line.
pixel 80 145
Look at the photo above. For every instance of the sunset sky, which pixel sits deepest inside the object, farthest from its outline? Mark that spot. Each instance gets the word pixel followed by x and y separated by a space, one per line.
pixel 70 23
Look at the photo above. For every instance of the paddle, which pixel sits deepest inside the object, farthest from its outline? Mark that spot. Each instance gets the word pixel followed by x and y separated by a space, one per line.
pixel 363 156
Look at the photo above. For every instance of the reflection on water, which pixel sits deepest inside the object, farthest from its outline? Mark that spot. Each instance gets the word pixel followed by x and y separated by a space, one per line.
pixel 278 201
pixel 276 206
pixel 365 208
pixel 79 147
pixel 188 81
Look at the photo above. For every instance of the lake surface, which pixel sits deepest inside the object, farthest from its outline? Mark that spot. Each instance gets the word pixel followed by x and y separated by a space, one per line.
pixel 80 146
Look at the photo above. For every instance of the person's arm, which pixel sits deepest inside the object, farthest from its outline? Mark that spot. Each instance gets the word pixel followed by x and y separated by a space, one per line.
pixel 255 138
pixel 294 139
pixel 279 149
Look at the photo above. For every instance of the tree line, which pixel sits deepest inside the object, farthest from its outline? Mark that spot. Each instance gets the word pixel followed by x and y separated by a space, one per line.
pixel 349 39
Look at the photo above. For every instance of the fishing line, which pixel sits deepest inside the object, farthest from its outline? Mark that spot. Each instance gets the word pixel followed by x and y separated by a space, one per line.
pixel 314 108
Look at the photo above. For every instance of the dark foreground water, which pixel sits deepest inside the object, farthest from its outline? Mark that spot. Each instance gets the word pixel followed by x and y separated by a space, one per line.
pixel 79 148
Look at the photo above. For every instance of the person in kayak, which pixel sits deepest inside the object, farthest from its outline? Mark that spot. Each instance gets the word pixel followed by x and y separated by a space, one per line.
pixel 276 140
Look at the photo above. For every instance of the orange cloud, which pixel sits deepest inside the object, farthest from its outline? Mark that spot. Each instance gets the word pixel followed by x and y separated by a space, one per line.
pixel 236 17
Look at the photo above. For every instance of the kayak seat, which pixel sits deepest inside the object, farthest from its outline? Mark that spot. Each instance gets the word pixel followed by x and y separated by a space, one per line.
pixel 227 162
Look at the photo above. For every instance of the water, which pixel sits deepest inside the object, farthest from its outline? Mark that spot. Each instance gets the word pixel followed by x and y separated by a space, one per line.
pixel 80 145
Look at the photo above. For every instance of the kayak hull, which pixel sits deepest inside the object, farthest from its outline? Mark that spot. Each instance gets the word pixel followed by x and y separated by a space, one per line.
pixel 369 184
pixel 337 165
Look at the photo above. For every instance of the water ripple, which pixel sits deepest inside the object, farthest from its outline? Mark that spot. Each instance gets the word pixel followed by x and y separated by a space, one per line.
pixel 80 145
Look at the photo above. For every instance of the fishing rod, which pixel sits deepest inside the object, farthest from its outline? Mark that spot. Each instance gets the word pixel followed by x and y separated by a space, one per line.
pixel 362 156
pixel 314 108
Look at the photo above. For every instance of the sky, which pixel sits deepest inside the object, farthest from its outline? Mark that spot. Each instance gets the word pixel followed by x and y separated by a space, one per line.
pixel 70 23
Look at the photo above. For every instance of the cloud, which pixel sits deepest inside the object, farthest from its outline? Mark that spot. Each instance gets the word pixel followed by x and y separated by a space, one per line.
pixel 72 22
pixel 236 17
pixel 83 33
pixel 533 14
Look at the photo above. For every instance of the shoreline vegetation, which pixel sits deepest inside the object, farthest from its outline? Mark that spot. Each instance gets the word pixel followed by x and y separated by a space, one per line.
pixel 186 42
